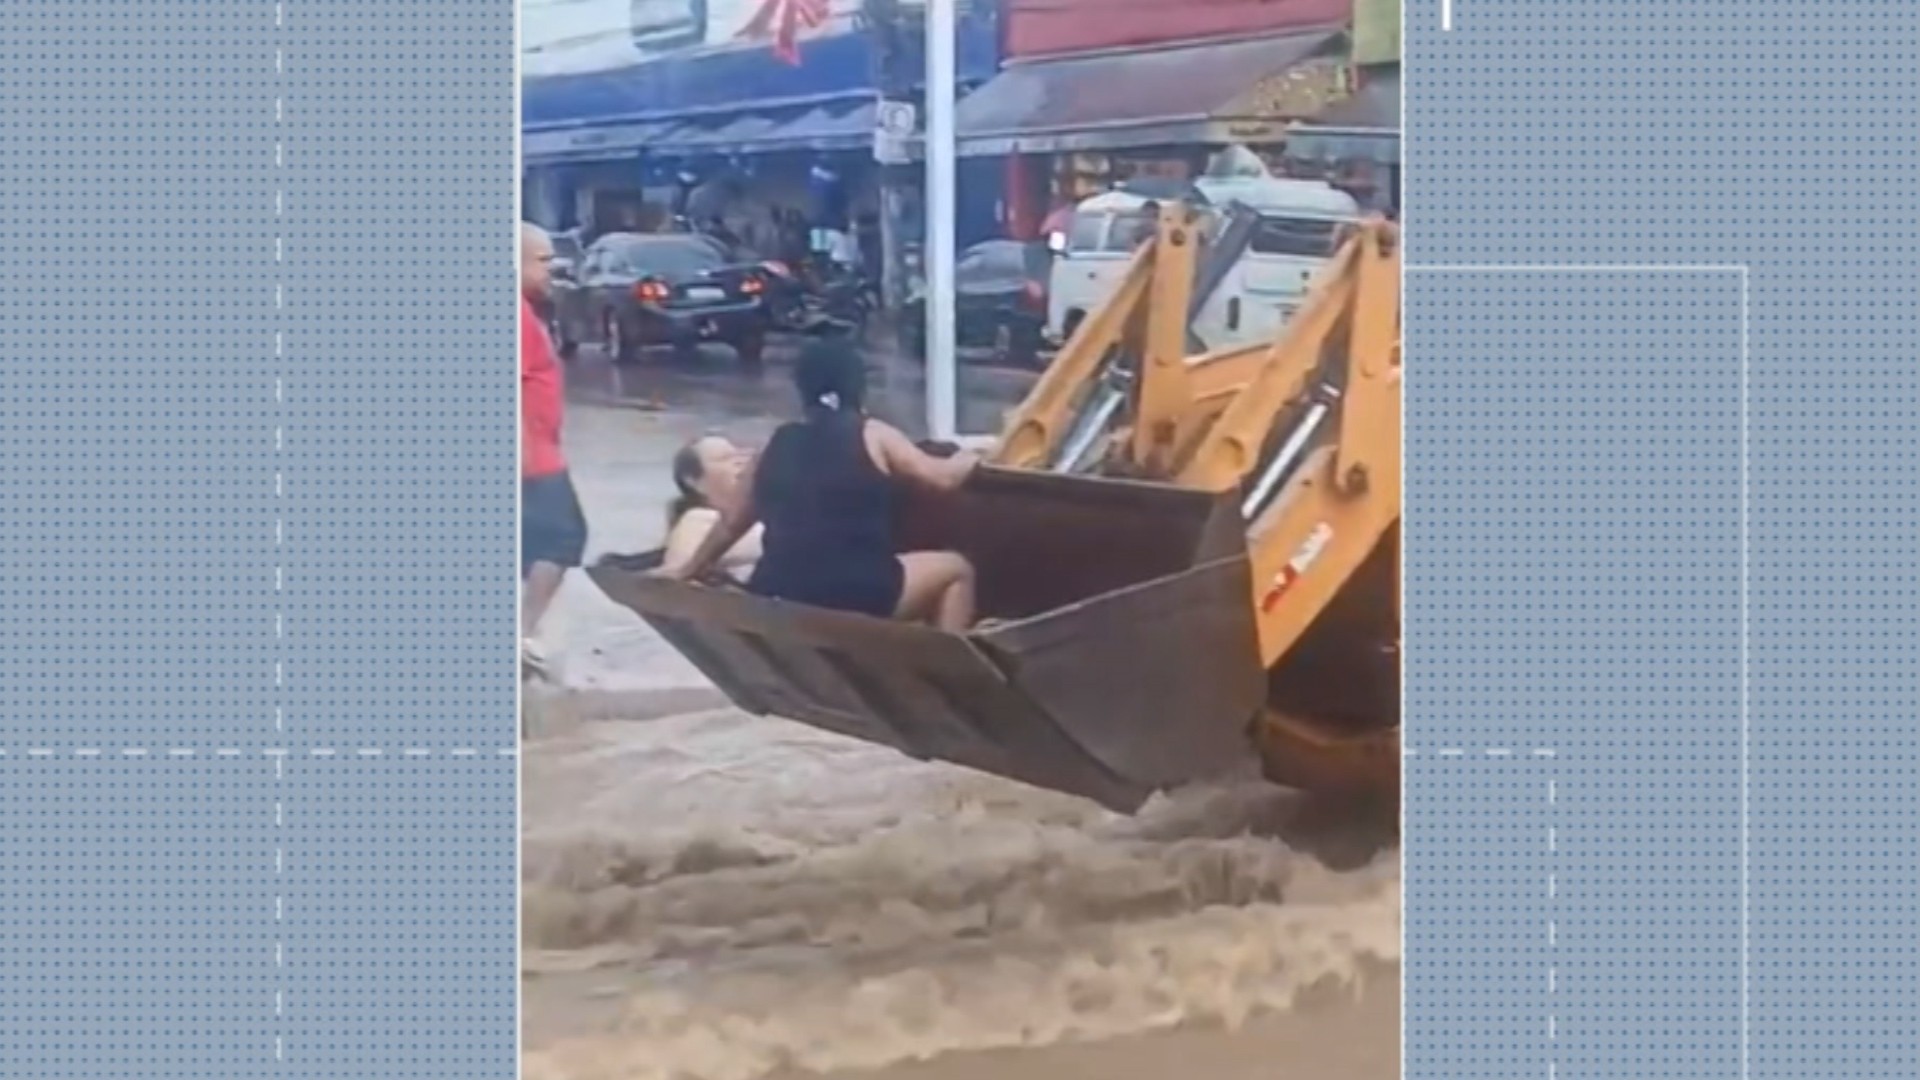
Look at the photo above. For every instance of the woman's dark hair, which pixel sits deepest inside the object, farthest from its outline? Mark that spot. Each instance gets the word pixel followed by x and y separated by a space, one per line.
pixel 687 471
pixel 831 378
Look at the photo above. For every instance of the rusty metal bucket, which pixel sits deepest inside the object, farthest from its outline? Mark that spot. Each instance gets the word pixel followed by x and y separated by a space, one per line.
pixel 1126 661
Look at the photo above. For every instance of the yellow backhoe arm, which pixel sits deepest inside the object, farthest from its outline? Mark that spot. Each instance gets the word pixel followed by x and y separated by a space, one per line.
pixel 1305 431
pixel 1331 502
pixel 1037 429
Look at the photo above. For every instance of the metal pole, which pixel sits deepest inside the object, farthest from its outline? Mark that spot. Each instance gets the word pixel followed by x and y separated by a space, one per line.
pixel 942 370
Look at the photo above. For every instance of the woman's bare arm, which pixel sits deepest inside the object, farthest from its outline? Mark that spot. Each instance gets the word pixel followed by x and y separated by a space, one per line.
pixel 908 462
pixel 686 537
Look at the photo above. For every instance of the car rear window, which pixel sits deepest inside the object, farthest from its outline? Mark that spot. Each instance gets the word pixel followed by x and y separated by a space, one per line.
pixel 998 265
pixel 658 254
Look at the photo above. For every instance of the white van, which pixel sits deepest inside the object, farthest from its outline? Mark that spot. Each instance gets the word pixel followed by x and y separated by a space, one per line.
pixel 1298 227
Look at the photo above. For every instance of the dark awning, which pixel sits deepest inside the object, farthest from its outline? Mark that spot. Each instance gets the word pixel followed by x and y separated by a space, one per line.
pixel 1207 93
pixel 601 143
pixel 1364 127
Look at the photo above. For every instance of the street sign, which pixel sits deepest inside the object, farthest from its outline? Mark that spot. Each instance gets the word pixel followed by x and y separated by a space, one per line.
pixel 895 118
pixel 893 128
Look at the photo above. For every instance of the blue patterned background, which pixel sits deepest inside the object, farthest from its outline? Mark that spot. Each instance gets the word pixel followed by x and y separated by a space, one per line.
pixel 257 687
pixel 1734 843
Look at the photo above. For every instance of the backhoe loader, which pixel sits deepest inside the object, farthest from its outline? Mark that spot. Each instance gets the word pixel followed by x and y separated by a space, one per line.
pixel 1186 561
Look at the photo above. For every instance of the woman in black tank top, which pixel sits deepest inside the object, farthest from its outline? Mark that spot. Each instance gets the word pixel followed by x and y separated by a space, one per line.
pixel 823 491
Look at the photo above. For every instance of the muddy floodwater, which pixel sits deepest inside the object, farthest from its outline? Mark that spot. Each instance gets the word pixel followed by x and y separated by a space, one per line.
pixel 713 896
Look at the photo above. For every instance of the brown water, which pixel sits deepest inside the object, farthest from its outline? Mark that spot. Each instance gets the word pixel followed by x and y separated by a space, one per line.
pixel 722 897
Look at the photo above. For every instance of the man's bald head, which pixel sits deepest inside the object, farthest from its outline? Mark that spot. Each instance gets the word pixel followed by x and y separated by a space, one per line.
pixel 536 252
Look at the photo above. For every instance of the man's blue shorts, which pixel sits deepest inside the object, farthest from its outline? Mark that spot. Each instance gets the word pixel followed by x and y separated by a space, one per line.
pixel 552 527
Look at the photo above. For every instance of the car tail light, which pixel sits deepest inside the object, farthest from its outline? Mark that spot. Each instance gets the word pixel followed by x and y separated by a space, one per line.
pixel 651 292
pixel 752 286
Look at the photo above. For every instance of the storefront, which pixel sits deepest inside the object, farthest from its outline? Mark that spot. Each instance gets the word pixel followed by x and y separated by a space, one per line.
pixel 1071 126
pixel 639 101
pixel 1355 143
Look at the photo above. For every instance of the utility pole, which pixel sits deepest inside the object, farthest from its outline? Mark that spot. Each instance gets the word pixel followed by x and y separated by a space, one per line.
pixel 886 30
pixel 942 207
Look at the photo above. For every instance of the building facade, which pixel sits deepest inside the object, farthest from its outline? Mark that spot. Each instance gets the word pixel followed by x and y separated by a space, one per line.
pixel 1356 142
pixel 1095 92
pixel 629 107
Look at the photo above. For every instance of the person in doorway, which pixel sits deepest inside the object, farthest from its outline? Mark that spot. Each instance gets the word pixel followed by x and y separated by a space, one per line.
pixel 824 491
pixel 706 477
pixel 553 530
pixel 792 226
pixel 869 242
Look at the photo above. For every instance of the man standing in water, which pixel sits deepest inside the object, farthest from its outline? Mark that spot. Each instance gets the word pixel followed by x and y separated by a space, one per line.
pixel 553 531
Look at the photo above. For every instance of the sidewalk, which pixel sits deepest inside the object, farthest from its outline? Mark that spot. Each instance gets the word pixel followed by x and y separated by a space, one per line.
pixel 621 462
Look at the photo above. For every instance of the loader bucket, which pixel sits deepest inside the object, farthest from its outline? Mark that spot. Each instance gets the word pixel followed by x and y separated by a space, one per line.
pixel 1126 662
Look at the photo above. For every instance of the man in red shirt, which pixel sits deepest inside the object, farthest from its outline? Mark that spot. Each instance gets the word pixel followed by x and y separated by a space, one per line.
pixel 553 531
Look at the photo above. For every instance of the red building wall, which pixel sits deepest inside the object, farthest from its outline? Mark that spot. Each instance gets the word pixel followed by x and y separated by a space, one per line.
pixel 1044 27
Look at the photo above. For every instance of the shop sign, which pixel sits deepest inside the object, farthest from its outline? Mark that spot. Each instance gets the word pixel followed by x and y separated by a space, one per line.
pixel 1376 32
pixel 894 123
pixel 559 37
pixel 616 139
pixel 1254 131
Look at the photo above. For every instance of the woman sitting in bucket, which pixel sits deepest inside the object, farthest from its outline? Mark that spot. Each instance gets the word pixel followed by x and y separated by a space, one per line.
pixel 823 493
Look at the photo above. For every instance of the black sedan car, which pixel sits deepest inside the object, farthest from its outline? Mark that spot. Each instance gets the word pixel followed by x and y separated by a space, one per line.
pixel 1001 301
pixel 635 290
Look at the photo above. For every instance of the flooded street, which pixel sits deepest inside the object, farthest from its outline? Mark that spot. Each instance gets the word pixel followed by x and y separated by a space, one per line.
pixel 714 896
pixel 718 896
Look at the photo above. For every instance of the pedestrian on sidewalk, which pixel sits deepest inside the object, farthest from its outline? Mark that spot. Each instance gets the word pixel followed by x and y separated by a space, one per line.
pixel 553 530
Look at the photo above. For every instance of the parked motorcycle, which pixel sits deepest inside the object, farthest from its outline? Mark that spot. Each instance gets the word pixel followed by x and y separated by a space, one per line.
pixel 829 291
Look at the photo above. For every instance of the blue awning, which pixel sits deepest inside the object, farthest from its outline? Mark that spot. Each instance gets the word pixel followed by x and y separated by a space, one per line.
pixel 725 136
pixel 836 127
pixel 824 128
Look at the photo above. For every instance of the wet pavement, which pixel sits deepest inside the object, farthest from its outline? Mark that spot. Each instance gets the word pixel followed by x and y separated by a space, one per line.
pixel 719 390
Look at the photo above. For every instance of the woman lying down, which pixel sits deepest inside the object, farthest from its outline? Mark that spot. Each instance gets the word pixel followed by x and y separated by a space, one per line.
pixel 706 476
pixel 811 519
